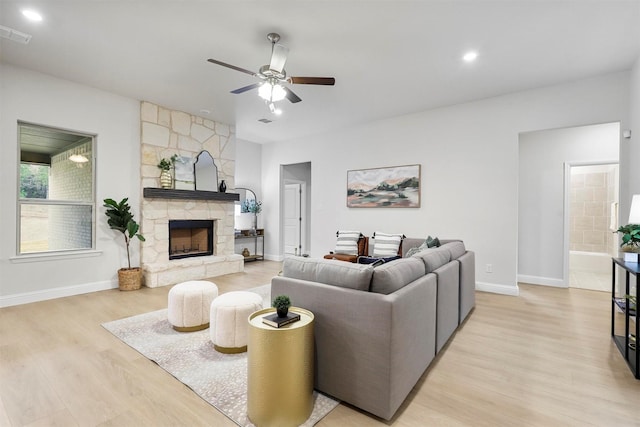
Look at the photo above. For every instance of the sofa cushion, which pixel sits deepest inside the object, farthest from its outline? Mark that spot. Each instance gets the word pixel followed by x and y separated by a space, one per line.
pixel 347 242
pixel 415 250
pixel 456 249
pixel 391 276
pixel 432 242
pixel 386 245
pixel 429 242
pixel 343 274
pixel 434 258
pixel 300 268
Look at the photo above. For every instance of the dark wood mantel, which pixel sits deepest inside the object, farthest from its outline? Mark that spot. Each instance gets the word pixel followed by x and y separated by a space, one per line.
pixel 163 193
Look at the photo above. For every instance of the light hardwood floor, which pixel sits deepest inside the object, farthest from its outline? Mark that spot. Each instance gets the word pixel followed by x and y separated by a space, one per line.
pixel 542 359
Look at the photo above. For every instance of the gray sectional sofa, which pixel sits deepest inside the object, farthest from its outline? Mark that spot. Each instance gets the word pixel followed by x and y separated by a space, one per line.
pixel 377 329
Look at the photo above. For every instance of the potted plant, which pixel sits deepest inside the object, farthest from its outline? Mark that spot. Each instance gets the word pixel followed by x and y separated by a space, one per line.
pixel 281 304
pixel 253 207
pixel 630 242
pixel 165 165
pixel 119 217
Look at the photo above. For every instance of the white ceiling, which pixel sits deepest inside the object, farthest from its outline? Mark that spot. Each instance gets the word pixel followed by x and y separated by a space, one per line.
pixel 389 58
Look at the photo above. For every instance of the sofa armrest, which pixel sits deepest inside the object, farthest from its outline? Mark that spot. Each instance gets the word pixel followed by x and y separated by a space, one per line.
pixel 371 349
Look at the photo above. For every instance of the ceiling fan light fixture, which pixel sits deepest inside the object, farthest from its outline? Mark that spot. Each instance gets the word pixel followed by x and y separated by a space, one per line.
pixel 272 92
pixel 274 110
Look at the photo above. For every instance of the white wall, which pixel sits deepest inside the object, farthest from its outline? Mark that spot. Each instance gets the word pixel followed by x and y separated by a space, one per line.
pixel 249 165
pixel 469 158
pixel 41 99
pixel 541 194
pixel 630 148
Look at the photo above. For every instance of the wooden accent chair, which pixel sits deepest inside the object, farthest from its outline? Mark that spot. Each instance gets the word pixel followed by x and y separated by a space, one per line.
pixel 363 250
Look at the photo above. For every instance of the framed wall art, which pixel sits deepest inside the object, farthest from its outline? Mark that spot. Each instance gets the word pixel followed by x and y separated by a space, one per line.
pixel 184 177
pixel 388 187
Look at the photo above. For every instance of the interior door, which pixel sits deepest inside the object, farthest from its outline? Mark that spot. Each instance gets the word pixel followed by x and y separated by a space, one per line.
pixel 292 219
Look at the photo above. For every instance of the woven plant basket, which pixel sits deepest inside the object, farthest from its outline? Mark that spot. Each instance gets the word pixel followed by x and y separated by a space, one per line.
pixel 129 279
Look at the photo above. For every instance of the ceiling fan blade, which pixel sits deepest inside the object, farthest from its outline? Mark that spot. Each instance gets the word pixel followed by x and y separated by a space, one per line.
pixel 246 88
pixel 291 96
pixel 330 81
pixel 233 67
pixel 278 57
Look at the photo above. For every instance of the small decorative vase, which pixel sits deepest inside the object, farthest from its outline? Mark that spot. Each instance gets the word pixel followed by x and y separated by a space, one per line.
pixel 222 187
pixel 282 312
pixel 245 252
pixel 166 180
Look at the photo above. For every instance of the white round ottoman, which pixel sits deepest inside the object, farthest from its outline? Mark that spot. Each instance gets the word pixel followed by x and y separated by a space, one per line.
pixel 189 304
pixel 229 320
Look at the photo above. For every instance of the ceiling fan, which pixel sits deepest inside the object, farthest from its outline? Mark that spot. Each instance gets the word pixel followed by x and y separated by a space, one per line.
pixel 273 75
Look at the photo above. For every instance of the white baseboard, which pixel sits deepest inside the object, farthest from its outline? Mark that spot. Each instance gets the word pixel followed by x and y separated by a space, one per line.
pixel 270 257
pixel 544 281
pixel 496 288
pixel 47 294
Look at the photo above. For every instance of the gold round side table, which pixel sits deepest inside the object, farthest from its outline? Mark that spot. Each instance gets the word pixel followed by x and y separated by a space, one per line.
pixel 280 370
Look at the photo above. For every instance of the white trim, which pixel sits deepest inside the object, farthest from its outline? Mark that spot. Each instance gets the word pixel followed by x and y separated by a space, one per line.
pixel 47 294
pixel 544 281
pixel 53 256
pixel 278 258
pixel 496 288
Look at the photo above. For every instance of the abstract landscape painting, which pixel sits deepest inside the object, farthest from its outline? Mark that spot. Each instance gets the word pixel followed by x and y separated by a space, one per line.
pixel 390 187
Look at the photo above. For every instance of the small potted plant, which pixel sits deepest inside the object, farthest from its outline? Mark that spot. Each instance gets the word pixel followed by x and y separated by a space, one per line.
pixel 630 242
pixel 165 165
pixel 252 207
pixel 281 304
pixel 119 217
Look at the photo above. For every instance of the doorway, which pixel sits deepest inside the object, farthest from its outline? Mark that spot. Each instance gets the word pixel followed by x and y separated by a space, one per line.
pixel 592 218
pixel 292 217
pixel 545 158
pixel 295 223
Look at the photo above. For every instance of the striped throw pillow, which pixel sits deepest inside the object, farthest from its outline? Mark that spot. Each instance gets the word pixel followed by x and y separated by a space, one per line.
pixel 386 245
pixel 347 243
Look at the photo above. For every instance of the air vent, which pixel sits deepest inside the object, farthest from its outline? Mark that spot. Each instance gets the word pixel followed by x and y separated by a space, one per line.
pixel 265 120
pixel 14 35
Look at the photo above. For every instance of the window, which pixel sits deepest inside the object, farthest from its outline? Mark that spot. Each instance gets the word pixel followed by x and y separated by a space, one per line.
pixel 56 206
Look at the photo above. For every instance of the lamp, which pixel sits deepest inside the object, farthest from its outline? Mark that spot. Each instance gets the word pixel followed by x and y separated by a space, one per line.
pixel 634 213
pixel 271 92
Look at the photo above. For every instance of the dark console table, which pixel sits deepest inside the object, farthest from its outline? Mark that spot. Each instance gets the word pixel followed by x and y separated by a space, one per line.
pixel 627 343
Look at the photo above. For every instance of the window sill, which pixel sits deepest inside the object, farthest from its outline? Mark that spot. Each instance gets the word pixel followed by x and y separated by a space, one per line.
pixel 54 256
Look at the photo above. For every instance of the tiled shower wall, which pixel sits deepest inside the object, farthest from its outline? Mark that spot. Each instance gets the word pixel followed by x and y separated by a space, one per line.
pixel 592 192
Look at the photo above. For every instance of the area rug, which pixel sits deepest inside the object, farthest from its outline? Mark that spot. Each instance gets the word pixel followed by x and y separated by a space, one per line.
pixel 220 379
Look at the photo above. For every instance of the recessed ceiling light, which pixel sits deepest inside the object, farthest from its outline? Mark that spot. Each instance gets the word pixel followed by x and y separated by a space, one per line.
pixel 32 15
pixel 470 56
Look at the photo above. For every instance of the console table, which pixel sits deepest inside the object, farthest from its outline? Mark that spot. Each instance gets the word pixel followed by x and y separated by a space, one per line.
pixel 620 307
pixel 258 248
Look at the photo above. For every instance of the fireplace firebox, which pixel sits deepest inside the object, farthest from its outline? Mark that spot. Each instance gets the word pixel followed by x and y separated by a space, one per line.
pixel 190 238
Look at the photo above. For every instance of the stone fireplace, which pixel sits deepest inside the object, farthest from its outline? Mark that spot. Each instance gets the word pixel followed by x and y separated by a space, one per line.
pixel 165 133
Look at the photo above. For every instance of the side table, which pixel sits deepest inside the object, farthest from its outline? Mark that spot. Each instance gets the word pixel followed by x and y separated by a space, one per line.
pixel 623 336
pixel 280 370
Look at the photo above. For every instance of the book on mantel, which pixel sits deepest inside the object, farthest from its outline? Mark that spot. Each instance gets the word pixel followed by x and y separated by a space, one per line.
pixel 278 322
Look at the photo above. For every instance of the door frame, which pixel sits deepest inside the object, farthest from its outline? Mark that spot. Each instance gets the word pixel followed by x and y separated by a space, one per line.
pixel 567 188
pixel 303 214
